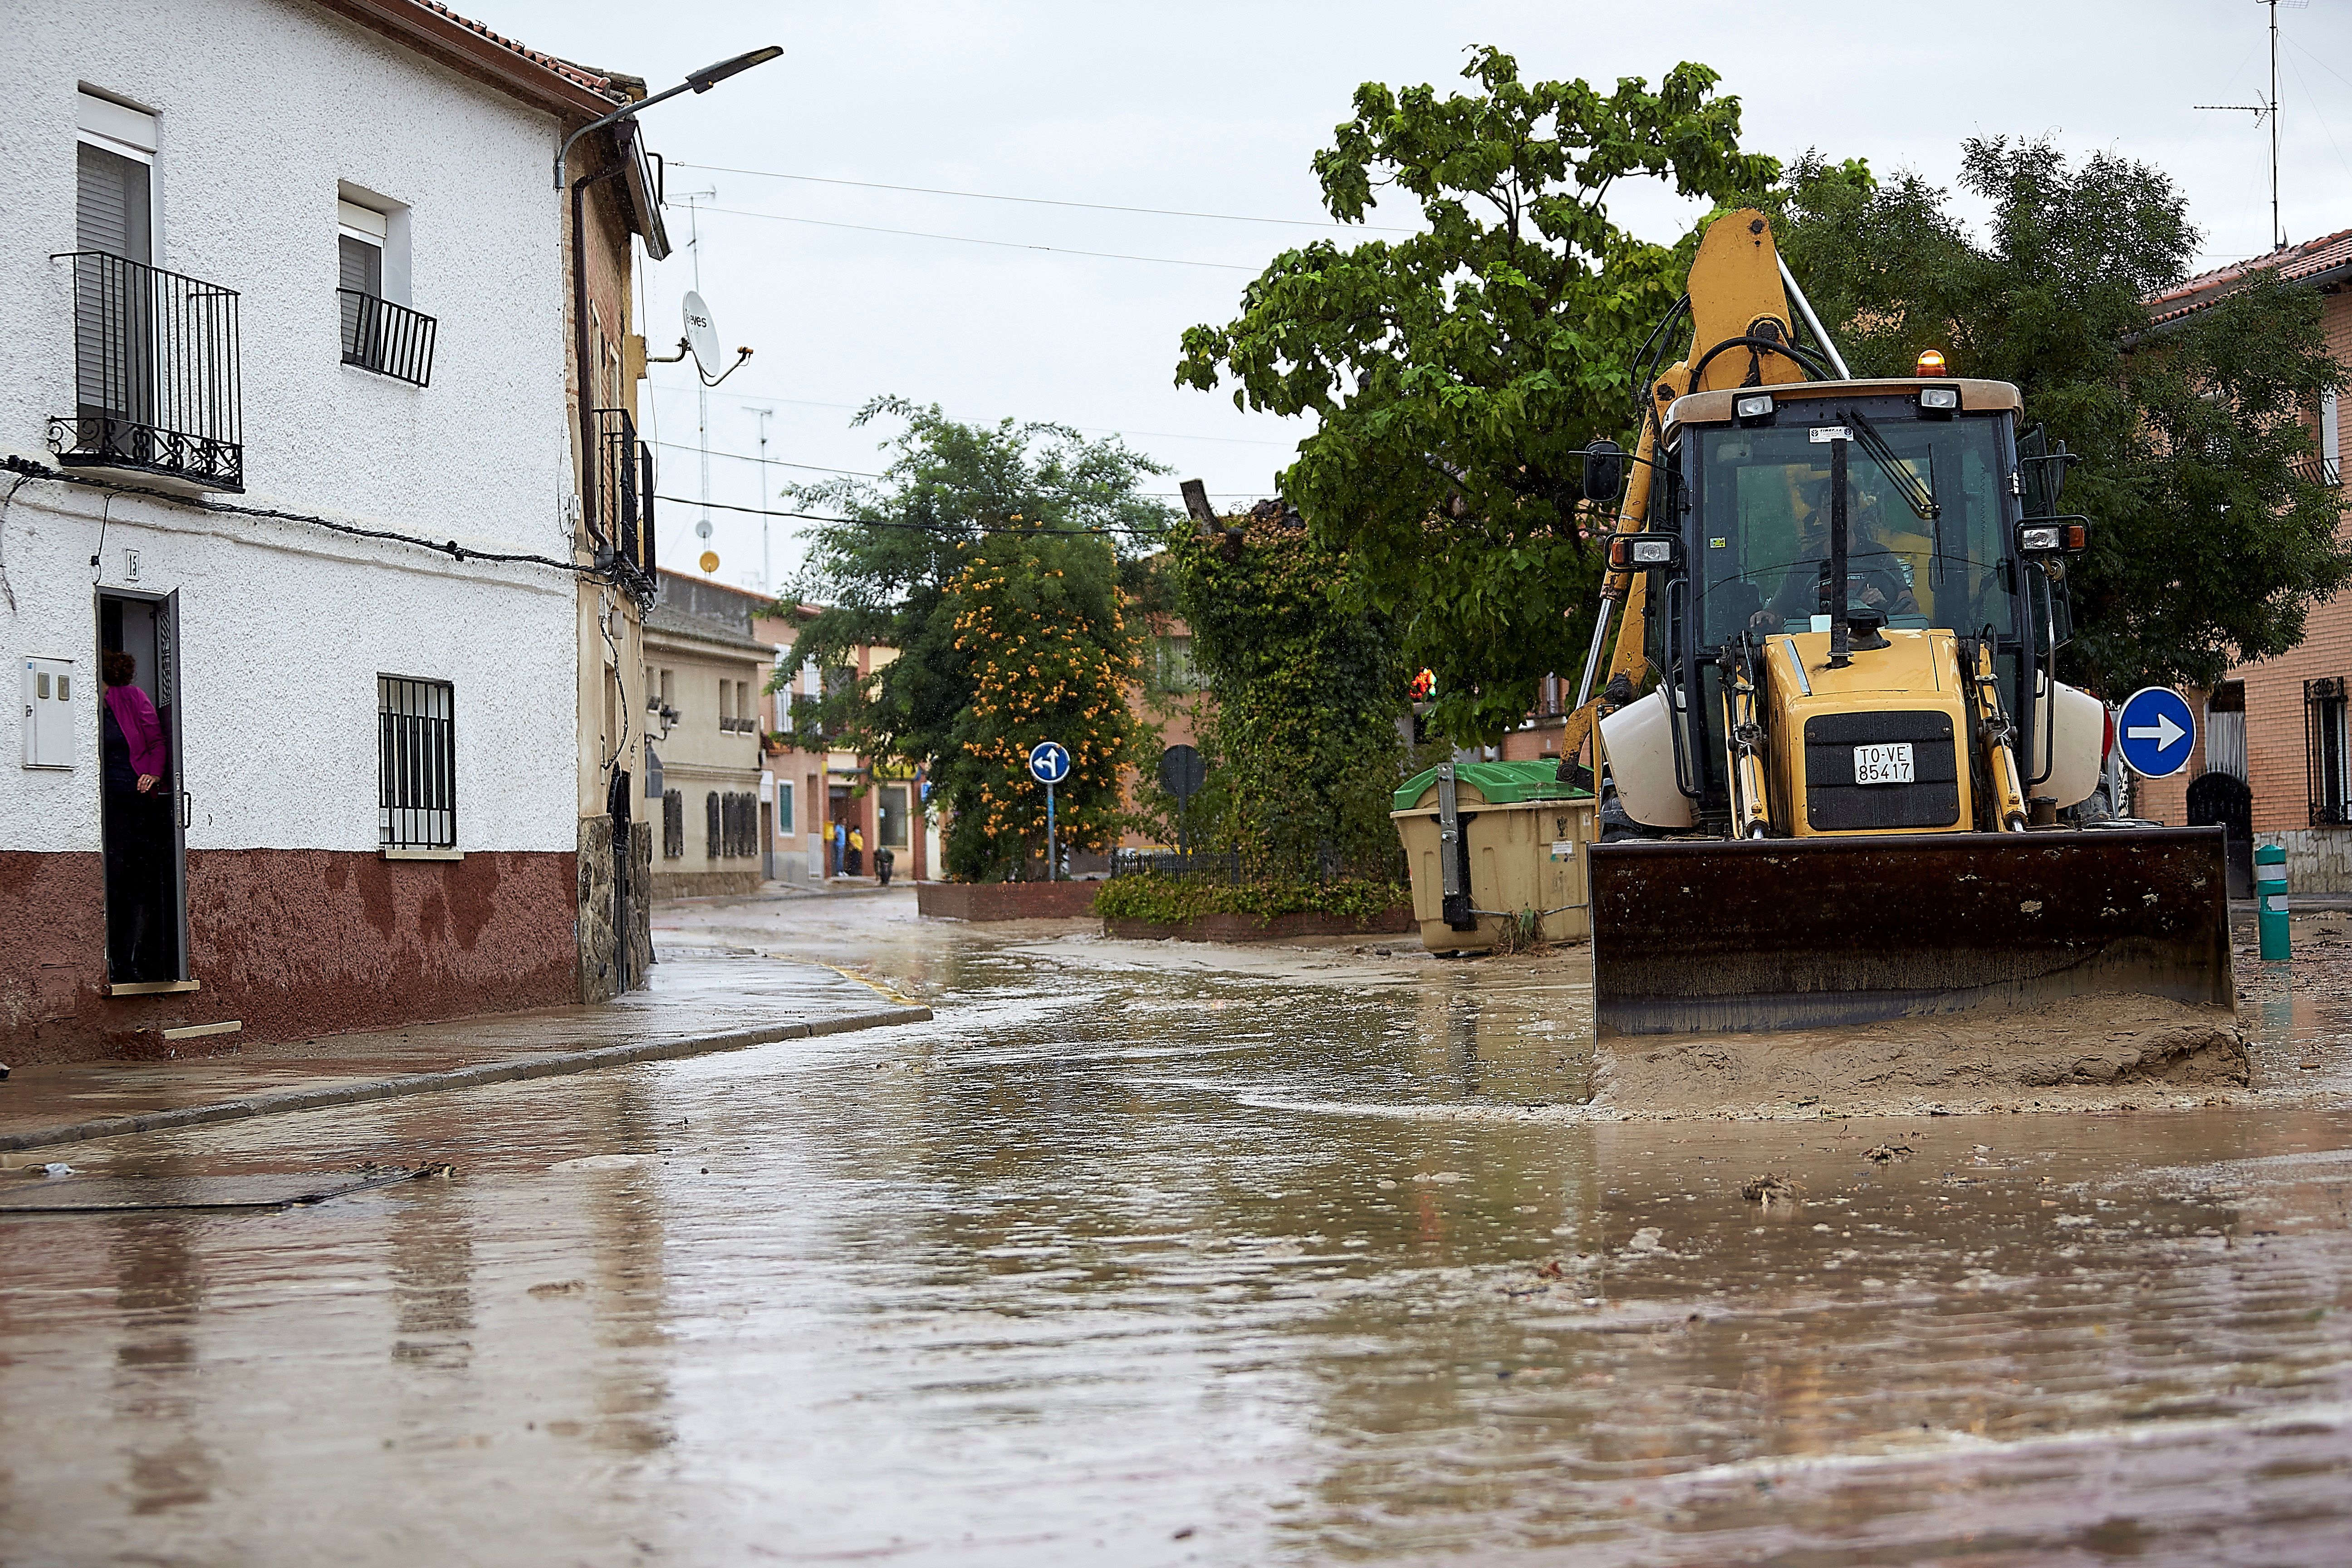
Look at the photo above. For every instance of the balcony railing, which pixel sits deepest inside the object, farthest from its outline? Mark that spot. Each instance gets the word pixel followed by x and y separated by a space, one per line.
pixel 156 379
pixel 388 338
pixel 2328 471
pixel 621 506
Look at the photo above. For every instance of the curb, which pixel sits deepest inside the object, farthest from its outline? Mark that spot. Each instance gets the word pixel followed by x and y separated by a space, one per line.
pixel 552 1066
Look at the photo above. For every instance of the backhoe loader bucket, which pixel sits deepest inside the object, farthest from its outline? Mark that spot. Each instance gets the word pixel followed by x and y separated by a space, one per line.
pixel 1752 936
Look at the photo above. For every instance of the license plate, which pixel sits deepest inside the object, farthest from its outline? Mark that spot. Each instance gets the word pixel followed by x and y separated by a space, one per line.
pixel 1889 764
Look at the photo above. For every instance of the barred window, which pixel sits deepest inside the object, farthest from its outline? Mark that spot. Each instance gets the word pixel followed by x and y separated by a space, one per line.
pixel 416 763
pixel 673 824
pixel 713 842
pixel 2325 750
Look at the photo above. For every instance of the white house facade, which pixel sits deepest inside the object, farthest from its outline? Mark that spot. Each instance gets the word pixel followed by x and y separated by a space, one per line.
pixel 284 373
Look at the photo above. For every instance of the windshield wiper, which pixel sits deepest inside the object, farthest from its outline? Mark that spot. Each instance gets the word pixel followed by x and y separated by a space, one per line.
pixel 1920 497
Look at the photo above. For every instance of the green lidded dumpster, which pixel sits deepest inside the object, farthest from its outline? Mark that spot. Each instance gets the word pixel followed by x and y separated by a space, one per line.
pixel 1491 842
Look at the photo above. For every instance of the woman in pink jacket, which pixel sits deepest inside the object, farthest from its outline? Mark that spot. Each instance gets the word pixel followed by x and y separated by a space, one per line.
pixel 137 790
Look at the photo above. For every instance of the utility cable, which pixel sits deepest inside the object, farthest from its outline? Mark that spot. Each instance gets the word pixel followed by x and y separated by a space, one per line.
pixel 999 244
pixel 921 527
pixel 451 548
pixel 1041 200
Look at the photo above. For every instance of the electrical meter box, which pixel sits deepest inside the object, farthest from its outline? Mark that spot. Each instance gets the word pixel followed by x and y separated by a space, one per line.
pixel 50 707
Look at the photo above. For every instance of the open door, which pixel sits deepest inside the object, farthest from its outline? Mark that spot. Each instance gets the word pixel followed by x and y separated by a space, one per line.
pixel 144 831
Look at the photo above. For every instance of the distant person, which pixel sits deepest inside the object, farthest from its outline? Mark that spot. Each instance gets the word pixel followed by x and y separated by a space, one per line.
pixel 856 852
pixel 840 847
pixel 135 765
pixel 883 861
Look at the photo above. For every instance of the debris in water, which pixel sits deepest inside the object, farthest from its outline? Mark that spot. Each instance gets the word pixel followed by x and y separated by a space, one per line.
pixel 1768 1189
pixel 559 1287
pixel 1887 1154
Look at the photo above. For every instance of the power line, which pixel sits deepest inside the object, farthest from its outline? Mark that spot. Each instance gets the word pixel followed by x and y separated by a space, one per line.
pixel 916 527
pixel 999 244
pixel 748 458
pixel 853 473
pixel 1042 201
pixel 1089 429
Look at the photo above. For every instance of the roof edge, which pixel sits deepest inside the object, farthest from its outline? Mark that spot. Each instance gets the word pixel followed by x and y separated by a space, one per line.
pixel 442 38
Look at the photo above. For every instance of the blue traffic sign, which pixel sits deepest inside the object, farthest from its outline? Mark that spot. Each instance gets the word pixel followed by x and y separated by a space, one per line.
pixel 1048 762
pixel 2156 731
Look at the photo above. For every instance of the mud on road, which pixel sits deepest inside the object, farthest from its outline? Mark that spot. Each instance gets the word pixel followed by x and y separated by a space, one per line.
pixel 1148 1254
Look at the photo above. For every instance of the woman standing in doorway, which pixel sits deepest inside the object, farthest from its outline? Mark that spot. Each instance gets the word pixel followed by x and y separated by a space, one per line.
pixel 137 796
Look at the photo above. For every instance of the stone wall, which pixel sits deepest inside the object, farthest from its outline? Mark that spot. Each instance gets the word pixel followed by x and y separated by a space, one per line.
pixel 598 983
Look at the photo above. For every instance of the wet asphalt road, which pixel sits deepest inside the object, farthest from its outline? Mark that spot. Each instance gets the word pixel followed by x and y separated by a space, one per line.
pixel 1144 1255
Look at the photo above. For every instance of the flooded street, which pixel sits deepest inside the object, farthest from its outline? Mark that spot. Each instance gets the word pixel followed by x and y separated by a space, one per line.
pixel 1171 1253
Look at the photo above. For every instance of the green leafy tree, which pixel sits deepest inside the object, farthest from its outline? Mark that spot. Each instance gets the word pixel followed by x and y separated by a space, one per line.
pixel 1455 373
pixel 2206 547
pixel 1306 687
pixel 982 552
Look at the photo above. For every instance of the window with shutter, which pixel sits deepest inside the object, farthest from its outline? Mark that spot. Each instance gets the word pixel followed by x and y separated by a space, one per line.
pixel 114 373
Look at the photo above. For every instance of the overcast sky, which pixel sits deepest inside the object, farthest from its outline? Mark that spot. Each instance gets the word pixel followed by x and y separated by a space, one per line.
pixel 1217 108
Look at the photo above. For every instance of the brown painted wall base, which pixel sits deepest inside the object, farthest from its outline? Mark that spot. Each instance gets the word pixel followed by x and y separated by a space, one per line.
pixel 1249 927
pixel 1005 901
pixel 292 942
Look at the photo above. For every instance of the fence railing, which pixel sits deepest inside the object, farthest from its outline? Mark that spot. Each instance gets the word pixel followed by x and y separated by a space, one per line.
pixel 620 510
pixel 2327 471
pixel 157 374
pixel 1175 863
pixel 386 338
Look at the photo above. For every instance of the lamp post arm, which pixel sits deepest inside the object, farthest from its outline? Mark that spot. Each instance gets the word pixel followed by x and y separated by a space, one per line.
pixel 626 111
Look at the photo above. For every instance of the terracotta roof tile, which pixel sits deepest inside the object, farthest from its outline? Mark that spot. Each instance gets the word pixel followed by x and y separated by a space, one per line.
pixel 2296 261
pixel 578 75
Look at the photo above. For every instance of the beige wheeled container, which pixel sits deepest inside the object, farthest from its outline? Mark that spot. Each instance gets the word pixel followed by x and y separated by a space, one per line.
pixel 1490 843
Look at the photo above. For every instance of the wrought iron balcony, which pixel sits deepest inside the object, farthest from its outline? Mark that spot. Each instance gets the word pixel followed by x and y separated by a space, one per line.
pixel 2328 471
pixel 621 499
pixel 156 374
pixel 388 338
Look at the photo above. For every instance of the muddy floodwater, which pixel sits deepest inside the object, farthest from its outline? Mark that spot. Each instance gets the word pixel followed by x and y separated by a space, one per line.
pixel 1154 1254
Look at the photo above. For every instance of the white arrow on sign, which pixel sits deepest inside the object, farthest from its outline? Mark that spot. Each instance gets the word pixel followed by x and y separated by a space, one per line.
pixel 2164 732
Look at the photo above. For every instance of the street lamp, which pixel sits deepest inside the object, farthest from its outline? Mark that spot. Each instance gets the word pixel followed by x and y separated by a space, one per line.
pixel 617 792
pixel 702 81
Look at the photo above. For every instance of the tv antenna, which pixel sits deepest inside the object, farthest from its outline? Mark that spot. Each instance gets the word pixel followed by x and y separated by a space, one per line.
pixel 2268 110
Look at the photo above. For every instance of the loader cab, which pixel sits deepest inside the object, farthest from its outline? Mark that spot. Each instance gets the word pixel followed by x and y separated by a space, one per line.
pixel 1933 504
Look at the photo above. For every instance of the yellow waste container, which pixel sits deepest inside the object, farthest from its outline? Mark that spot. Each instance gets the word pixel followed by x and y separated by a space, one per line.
pixel 1515 846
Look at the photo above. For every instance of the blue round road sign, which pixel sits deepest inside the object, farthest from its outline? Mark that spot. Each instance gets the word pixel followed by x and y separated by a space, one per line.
pixel 2156 731
pixel 1048 762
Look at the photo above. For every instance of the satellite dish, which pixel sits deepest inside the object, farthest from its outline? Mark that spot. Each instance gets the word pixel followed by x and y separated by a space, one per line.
pixel 702 529
pixel 710 561
pixel 702 338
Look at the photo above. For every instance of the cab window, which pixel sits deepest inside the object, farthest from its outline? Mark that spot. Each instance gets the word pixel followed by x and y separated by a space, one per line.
pixel 1926 533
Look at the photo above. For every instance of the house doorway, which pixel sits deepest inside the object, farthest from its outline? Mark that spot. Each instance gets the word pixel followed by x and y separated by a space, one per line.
pixel 142 831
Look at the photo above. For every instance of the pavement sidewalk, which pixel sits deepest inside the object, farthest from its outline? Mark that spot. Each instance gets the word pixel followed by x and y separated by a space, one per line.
pixel 697 1003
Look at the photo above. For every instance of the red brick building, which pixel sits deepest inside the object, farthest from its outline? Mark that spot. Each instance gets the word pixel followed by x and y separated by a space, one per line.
pixel 2279 724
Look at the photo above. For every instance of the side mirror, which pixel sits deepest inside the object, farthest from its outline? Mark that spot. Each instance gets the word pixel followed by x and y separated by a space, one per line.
pixel 1604 471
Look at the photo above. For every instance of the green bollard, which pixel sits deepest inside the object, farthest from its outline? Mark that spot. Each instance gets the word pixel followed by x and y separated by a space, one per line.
pixel 2269 901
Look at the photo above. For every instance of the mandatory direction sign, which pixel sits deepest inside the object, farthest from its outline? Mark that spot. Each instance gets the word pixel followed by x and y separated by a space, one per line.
pixel 1048 762
pixel 2156 731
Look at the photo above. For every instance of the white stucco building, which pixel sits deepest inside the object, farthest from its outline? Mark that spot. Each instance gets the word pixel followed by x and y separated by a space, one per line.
pixel 298 258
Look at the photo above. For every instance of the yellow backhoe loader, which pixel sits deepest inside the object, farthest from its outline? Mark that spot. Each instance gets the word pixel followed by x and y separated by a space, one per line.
pixel 1833 745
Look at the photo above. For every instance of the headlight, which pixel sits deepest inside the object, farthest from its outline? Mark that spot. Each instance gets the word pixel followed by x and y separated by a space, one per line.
pixel 1940 400
pixel 1645 552
pixel 1752 407
pixel 2033 540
